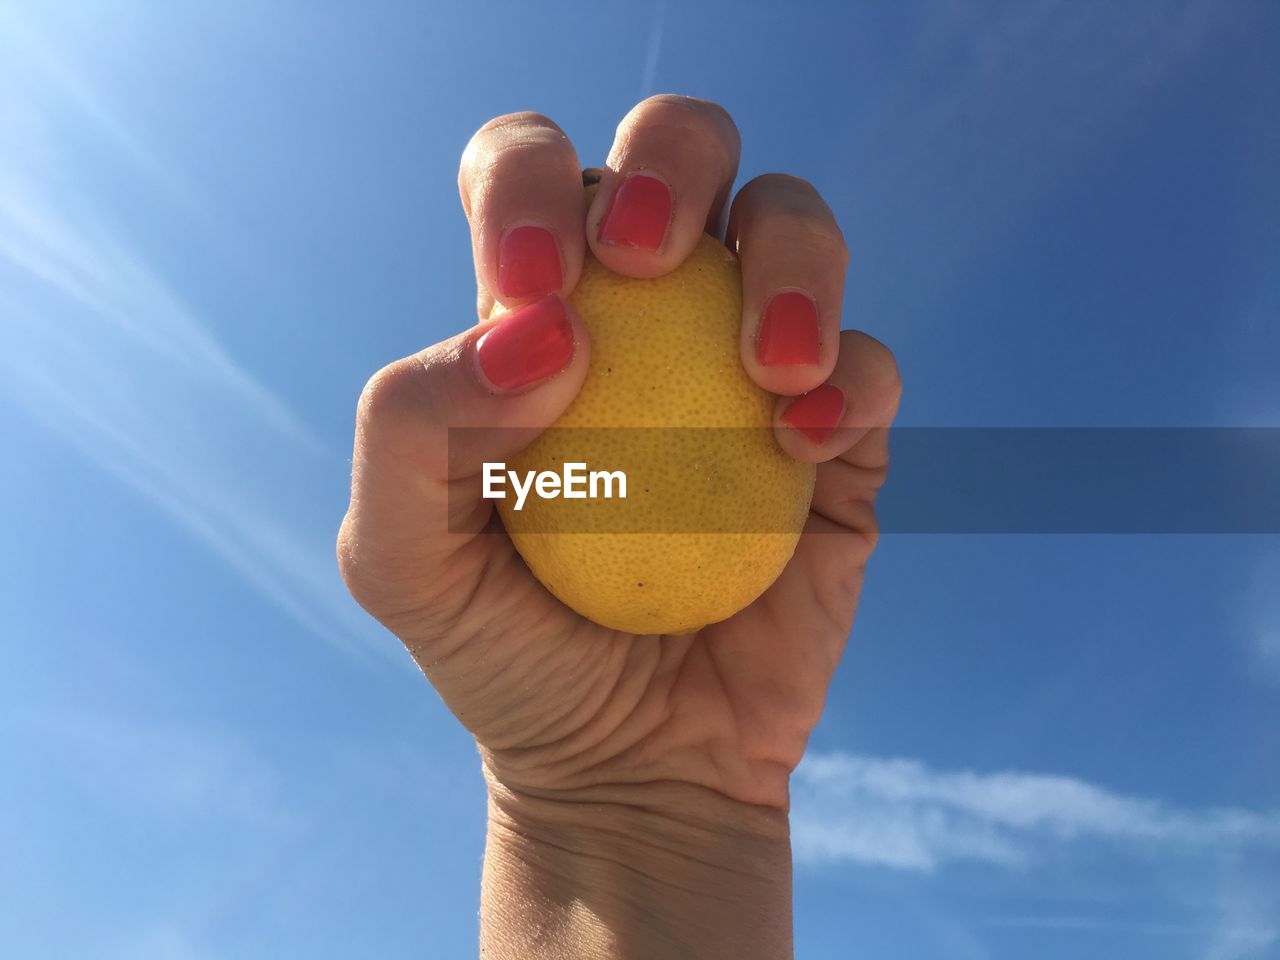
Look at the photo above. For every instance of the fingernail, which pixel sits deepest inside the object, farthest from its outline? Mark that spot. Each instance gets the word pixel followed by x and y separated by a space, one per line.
pixel 639 214
pixel 817 413
pixel 528 345
pixel 788 331
pixel 528 263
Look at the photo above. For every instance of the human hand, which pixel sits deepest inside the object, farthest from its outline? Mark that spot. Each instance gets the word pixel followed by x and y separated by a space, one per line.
pixel 583 730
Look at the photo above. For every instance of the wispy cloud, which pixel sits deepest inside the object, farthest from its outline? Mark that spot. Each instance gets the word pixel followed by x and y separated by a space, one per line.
pixel 103 350
pixel 900 814
pixel 27 48
pixel 1237 931
pixel 1247 923
pixel 650 74
pixel 1261 606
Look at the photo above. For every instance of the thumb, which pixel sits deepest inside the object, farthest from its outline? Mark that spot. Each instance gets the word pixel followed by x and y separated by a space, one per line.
pixel 415 486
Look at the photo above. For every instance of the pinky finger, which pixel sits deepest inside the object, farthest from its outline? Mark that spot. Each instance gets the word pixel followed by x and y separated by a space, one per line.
pixel 861 394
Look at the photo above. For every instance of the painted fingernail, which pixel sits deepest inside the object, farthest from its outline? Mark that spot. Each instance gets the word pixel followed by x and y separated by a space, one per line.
pixel 528 263
pixel 639 214
pixel 817 413
pixel 528 345
pixel 788 331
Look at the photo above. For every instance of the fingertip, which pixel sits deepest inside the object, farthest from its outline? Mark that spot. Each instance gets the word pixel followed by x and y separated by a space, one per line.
pixel 812 427
pixel 794 261
pixel 667 177
pixel 629 225
pixel 524 348
pixel 522 191
pixel 862 394
pixel 882 374
pixel 787 368
pixel 533 257
pixel 530 262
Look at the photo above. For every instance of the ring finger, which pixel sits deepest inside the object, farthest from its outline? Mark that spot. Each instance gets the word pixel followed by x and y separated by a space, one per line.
pixel 794 260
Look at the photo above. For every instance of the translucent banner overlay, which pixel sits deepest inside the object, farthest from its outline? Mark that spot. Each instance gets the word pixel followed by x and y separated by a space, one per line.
pixel 1183 480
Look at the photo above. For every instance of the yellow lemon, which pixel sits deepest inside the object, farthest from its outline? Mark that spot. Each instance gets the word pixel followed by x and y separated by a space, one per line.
pixel 713 507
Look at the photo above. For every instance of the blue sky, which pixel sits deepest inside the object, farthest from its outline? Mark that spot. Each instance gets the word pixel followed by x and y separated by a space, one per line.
pixel 216 220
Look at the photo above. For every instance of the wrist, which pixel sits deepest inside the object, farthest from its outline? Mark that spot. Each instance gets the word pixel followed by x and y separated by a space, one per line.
pixel 663 869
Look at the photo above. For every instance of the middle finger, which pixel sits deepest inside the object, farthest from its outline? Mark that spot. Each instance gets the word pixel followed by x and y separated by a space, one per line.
pixel 667 177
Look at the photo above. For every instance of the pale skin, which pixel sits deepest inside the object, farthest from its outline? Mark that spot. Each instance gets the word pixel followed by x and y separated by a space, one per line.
pixel 638 785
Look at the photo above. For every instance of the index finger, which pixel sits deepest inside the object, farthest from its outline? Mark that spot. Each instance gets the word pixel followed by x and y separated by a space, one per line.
pixel 521 189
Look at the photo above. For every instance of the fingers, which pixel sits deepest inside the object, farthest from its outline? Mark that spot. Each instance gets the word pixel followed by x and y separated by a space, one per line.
pixel 521 188
pixel 794 260
pixel 825 575
pixel 667 178
pixel 416 478
pixel 853 462
pixel 862 393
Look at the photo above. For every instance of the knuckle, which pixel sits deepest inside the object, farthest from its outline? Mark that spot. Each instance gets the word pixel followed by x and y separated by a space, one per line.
pixel 868 530
pixel 526 130
pixel 502 148
pixel 784 189
pixel 673 105
pixel 367 586
pixel 392 586
pixel 391 397
pixel 708 122
pixel 786 208
pixel 840 246
pixel 801 231
pixel 831 237
pixel 353 566
pixel 519 119
pixel 891 372
pixel 348 560
pixel 786 181
pixel 532 155
pixel 886 378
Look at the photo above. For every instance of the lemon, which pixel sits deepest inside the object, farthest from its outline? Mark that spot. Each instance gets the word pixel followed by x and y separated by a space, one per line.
pixel 713 506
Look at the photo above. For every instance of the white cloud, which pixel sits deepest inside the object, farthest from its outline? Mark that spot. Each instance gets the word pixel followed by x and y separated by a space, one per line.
pixel 1236 933
pixel 901 814
pixel 898 814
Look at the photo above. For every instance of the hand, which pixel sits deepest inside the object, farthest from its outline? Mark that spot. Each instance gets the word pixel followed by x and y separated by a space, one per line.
pixel 572 720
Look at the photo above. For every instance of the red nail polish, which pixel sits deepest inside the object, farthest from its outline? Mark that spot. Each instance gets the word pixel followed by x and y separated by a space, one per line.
pixel 528 263
pixel 639 214
pixel 788 331
pixel 528 345
pixel 817 413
